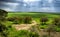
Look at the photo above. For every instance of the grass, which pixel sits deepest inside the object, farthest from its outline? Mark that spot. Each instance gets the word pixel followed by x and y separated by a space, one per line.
pixel 36 16
pixel 33 15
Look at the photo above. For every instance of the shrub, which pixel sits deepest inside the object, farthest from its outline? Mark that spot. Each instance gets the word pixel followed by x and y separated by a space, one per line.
pixel 56 20
pixel 57 29
pixel 51 29
pixel 3 29
pixel 15 20
pixel 43 27
pixel 58 24
pixel 3 19
pixel 11 19
pixel 27 20
pixel 43 20
pixel 26 33
pixel 33 34
pixel 3 15
pixel 45 35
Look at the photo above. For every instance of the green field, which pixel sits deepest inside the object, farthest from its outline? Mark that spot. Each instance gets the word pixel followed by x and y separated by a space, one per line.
pixel 12 32
pixel 35 15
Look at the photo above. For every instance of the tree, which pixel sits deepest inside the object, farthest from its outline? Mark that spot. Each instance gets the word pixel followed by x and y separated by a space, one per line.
pixel 3 28
pixel 3 14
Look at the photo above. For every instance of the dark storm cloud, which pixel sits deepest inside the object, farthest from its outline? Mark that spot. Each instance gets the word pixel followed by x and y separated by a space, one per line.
pixel 56 3
pixel 7 1
pixel 21 5
pixel 9 6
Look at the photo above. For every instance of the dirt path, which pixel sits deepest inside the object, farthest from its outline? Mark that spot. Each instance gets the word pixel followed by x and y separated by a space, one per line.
pixel 24 26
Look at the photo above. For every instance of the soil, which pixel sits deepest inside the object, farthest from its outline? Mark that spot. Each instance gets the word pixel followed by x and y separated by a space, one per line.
pixel 24 26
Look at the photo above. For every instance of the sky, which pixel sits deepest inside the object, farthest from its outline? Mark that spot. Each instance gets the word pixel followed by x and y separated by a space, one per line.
pixel 30 5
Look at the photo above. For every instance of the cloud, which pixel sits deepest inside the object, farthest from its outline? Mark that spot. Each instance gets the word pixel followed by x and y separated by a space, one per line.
pixel 50 1
pixel 30 5
pixel 56 3
pixel 30 0
pixel 8 9
pixel 8 3
pixel 8 6
pixel 47 9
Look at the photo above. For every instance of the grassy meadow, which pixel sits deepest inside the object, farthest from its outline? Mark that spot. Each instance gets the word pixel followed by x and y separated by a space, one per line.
pixel 35 15
pixel 35 30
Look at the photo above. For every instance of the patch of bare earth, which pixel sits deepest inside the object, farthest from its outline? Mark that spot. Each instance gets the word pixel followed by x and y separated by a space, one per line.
pixel 56 34
pixel 24 26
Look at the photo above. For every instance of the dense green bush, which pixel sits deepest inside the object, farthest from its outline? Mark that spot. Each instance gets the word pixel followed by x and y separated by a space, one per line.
pixel 11 18
pixel 57 29
pixel 56 20
pixel 15 20
pixel 3 30
pixel 43 20
pixel 58 24
pixel 27 20
pixel 26 33
pixel 3 15
pixel 33 34
pixel 43 26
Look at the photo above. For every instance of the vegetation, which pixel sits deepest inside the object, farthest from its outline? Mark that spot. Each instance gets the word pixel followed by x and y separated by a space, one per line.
pixel 27 20
pixel 56 20
pixel 15 20
pixel 22 33
pixel 43 18
pixel 43 21
pixel 51 29
pixel 3 14
pixel 3 28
